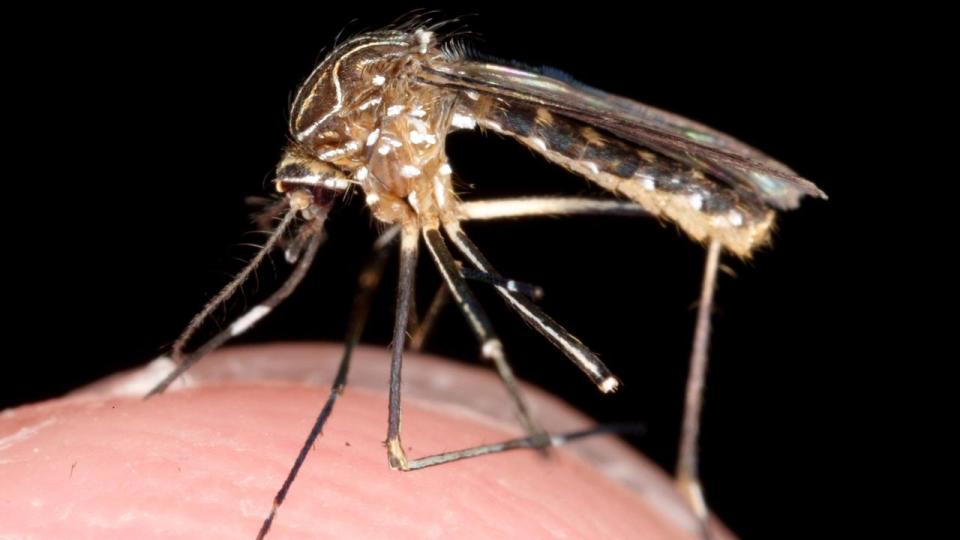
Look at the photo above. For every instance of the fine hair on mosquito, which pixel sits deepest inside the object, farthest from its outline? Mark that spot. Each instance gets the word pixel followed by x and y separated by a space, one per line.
pixel 372 119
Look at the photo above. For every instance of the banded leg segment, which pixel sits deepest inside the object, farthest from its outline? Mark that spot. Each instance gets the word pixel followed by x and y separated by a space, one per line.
pixel 520 207
pixel 367 285
pixel 582 356
pixel 248 319
pixel 688 475
pixel 491 348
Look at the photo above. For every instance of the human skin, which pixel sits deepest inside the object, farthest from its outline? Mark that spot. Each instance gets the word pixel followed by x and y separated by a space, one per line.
pixel 205 459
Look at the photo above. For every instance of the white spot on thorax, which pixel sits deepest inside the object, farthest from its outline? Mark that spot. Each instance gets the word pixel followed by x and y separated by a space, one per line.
pixel 373 136
pixel 409 171
pixel 418 112
pixel 378 80
pixel 473 95
pixel 362 173
pixel 424 37
pixel 647 182
pixel 418 137
pixel 463 121
pixel 383 149
pixel 337 152
pixel 412 199
pixel 445 169
pixel 696 201
pixel 369 103
pixel 373 199
pixel 394 110
pixel 440 192
pixel 736 218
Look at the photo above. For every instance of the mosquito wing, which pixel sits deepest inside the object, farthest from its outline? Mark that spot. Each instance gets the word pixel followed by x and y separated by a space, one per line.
pixel 743 168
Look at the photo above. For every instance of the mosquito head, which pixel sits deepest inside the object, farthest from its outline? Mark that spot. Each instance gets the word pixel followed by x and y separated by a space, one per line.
pixel 308 182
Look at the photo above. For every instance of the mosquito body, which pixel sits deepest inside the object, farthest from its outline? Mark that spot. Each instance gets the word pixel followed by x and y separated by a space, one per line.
pixel 374 117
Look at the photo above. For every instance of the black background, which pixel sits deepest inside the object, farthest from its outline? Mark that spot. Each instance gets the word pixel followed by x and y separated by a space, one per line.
pixel 149 129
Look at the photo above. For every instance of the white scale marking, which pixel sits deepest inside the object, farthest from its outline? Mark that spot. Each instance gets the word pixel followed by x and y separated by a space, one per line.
pixel 373 136
pixel 383 149
pixel 424 37
pixel 394 110
pixel 362 173
pixel 373 199
pixel 337 152
pixel 492 348
pixel 609 385
pixel 378 80
pixel 445 169
pixel 418 112
pixel 248 319
pixel 494 126
pixel 369 103
pixel 440 192
pixel 409 171
pixel 539 143
pixel 735 218
pixel 463 121
pixel 336 183
pixel 647 182
pixel 696 201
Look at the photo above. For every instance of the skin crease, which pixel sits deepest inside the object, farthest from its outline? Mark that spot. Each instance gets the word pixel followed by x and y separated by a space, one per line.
pixel 205 459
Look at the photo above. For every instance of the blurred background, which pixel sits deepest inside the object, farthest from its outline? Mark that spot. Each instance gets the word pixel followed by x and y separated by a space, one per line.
pixel 150 129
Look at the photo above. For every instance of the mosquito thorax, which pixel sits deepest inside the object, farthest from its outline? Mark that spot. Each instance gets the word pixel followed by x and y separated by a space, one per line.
pixel 365 111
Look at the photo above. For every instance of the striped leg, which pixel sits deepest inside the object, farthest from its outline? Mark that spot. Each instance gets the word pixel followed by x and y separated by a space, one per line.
pixel 585 359
pixel 491 348
pixel 367 285
pixel 519 207
pixel 688 476
pixel 248 319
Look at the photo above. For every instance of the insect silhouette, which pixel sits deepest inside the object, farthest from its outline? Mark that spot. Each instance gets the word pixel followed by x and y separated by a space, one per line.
pixel 373 118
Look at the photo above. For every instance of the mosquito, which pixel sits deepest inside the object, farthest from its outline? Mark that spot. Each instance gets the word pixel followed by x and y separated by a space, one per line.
pixel 373 117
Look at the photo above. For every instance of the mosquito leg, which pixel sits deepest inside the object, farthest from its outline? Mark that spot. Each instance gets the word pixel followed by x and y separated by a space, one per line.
pixel 486 210
pixel 366 287
pixel 248 319
pixel 527 289
pixel 421 330
pixel 409 238
pixel 491 348
pixel 583 357
pixel 537 441
pixel 225 293
pixel 688 476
